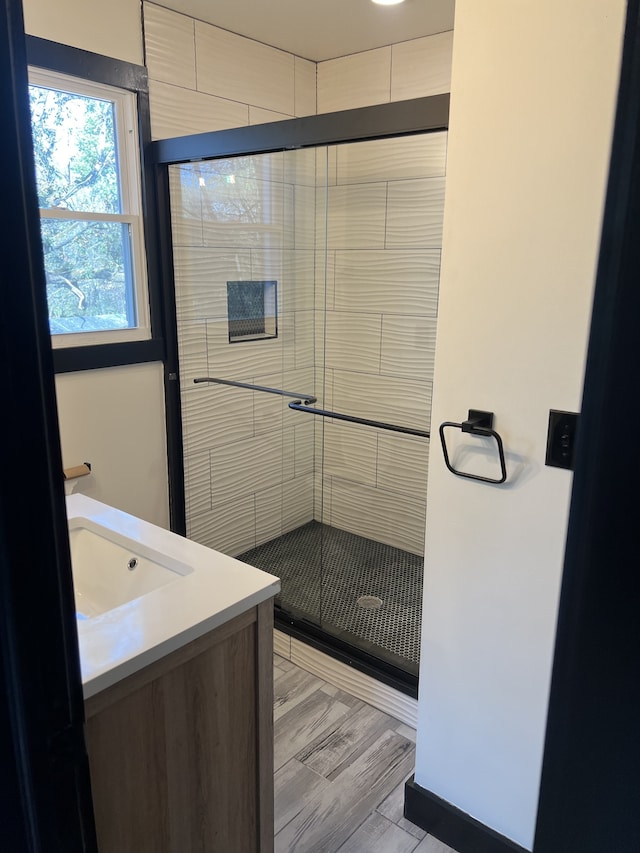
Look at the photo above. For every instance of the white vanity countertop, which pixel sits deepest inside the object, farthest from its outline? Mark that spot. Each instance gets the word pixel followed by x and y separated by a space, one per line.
pixel 122 641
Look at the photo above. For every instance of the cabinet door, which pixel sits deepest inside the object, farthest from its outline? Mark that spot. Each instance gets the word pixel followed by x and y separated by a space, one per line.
pixel 181 753
pixel 211 735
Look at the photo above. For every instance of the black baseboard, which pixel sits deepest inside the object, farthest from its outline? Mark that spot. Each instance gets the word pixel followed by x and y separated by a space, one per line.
pixel 452 826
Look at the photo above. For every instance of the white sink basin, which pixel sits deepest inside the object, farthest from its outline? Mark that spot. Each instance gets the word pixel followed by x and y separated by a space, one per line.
pixel 109 569
pixel 128 620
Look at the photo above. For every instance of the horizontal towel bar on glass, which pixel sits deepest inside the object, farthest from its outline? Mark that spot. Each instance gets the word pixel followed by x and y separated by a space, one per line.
pixel 301 404
pixel 308 398
pixel 297 406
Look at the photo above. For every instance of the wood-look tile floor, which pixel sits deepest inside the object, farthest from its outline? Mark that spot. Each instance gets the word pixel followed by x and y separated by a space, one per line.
pixel 340 769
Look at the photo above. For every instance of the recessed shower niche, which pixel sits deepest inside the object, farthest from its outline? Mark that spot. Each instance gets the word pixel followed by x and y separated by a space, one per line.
pixel 252 312
pixel 314 272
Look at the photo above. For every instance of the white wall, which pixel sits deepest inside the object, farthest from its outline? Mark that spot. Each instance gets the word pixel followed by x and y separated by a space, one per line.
pixel 112 418
pixel 534 87
pixel 113 29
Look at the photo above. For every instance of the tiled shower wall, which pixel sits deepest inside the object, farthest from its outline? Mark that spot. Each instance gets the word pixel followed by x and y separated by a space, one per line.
pixel 411 69
pixel 268 479
pixel 204 78
pixel 384 234
pixel 356 258
pixel 249 460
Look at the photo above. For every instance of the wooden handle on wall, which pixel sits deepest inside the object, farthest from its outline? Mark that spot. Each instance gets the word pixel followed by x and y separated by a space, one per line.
pixel 77 471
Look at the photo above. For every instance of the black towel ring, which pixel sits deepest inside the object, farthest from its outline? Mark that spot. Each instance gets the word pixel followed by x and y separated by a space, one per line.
pixel 478 423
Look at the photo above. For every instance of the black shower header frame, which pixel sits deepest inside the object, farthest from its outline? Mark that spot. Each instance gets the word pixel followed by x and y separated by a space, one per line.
pixel 400 118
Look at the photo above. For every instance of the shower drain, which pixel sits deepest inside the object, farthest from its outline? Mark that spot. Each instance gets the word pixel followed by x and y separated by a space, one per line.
pixel 323 568
pixel 369 602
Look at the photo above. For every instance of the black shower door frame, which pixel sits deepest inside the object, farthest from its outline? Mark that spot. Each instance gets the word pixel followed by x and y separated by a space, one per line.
pixel 402 118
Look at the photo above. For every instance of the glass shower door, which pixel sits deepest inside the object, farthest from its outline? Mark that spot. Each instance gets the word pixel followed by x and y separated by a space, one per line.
pixel 245 278
pixel 384 216
pixel 314 272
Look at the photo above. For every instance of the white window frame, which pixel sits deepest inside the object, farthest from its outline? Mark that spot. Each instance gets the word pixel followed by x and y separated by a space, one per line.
pixel 128 164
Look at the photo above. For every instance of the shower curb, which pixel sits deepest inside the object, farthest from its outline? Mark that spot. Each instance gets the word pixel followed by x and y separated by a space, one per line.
pixel 398 705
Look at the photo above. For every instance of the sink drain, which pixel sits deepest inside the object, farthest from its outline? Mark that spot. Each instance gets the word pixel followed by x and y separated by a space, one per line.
pixel 370 602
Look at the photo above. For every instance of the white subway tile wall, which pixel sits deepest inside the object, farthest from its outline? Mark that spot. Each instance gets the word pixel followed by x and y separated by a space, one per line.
pixel 396 159
pixel 359 80
pixel 390 517
pixel 411 69
pixel 408 346
pixel 350 452
pixel 214 415
pixel 352 235
pixel 269 510
pixel 170 47
pixel 357 216
pixel 228 527
pixel 384 227
pixel 421 67
pixel 414 214
pixel 392 399
pixel 387 281
pixel 259 116
pixel 243 70
pixel 180 112
pixel 402 464
pixel 204 78
pixel 249 460
pixel 192 349
pixel 305 87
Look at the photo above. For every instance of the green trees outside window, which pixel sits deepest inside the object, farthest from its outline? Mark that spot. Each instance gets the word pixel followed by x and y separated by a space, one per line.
pixel 88 193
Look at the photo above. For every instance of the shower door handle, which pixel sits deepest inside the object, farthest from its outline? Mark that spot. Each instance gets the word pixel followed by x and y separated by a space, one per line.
pixel 302 403
pixel 299 406
pixel 308 398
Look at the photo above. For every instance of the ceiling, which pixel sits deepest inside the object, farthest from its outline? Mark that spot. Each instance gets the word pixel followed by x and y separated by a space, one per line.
pixel 322 29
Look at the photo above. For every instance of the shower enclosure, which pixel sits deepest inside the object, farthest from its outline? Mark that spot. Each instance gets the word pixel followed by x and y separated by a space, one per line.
pixel 314 272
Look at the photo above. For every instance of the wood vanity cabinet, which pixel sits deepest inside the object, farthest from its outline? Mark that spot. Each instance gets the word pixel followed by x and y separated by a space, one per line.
pixel 181 752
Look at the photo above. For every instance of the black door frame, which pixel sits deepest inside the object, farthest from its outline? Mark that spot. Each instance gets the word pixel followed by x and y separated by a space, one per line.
pixel 44 771
pixel 588 797
pixel 590 789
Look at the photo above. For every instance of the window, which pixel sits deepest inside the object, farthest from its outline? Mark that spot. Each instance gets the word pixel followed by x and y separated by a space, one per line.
pixel 88 180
